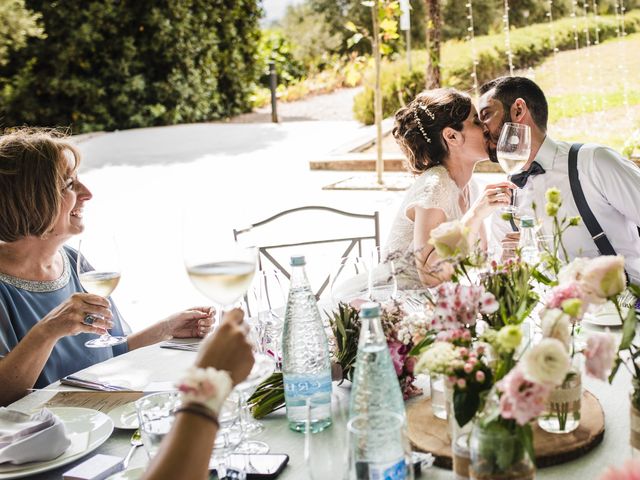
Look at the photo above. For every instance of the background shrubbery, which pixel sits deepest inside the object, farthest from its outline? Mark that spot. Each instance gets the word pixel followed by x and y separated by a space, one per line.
pixel 112 64
pixel 530 46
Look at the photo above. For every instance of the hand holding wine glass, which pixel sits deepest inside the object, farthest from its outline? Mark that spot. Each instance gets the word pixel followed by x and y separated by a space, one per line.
pixel 513 151
pixel 100 276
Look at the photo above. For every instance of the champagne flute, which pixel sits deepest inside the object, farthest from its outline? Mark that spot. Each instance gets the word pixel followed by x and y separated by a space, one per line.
pixel 99 276
pixel 513 150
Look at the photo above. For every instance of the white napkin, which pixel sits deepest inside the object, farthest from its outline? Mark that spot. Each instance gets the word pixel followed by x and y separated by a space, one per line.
pixel 29 438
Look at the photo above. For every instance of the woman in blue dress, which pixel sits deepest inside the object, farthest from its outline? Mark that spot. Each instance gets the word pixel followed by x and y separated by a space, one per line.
pixel 43 308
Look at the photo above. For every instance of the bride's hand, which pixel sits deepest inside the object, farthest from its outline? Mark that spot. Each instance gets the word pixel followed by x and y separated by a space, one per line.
pixel 495 195
pixel 195 322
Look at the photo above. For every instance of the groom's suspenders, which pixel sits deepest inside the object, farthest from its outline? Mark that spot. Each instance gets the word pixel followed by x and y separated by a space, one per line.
pixel 589 219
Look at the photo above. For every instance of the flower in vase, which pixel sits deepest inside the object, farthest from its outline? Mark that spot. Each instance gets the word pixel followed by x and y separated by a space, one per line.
pixel 600 353
pixel 629 471
pixel 547 362
pixel 521 400
pixel 458 305
pixel 569 297
pixel 553 195
pixel 556 324
pixel 450 239
pixel 438 358
pixel 398 353
pixel 605 275
pixel 509 338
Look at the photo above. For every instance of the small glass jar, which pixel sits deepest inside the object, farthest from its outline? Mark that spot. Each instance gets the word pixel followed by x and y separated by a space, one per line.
pixel 498 453
pixel 562 414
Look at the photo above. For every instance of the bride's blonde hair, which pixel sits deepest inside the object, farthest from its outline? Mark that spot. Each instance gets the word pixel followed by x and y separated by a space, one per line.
pixel 419 125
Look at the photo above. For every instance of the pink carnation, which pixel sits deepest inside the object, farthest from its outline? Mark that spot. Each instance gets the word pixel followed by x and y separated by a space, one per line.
pixel 629 471
pixel 521 399
pixel 600 353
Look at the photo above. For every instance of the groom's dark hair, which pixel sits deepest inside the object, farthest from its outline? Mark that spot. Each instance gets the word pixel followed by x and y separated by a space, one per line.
pixel 508 89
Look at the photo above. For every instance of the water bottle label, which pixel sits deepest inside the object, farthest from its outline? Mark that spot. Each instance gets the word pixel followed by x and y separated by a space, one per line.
pixel 306 386
pixel 394 471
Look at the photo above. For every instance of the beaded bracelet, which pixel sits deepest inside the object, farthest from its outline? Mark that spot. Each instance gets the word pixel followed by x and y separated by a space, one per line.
pixel 205 386
pixel 200 410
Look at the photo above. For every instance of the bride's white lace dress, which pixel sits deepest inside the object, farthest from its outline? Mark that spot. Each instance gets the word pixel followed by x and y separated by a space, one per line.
pixel 432 189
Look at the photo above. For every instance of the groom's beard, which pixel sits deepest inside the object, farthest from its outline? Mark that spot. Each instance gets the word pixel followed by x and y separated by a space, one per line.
pixel 494 136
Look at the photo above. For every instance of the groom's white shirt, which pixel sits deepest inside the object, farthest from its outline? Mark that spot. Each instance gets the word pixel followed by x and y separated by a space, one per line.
pixel 611 185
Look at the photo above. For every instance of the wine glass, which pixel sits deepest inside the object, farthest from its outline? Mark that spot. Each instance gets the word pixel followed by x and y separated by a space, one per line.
pixel 383 285
pixel 513 150
pixel 350 281
pixel 100 276
pixel 228 437
pixel 263 368
pixel 325 452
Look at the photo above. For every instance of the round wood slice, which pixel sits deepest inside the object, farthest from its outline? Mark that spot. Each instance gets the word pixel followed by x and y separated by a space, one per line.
pixel 430 434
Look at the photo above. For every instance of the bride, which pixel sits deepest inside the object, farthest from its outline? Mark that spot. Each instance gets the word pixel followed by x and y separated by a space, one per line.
pixel 442 138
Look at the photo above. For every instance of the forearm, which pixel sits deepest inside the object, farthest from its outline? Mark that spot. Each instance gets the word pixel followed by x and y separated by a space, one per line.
pixel 20 369
pixel 475 224
pixel 186 450
pixel 432 270
pixel 148 336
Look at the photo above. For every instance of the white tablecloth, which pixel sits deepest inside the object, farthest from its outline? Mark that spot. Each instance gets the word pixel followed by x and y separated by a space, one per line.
pixel 154 364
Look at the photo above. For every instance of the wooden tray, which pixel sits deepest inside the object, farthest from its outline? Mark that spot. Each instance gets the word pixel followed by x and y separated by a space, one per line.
pixel 430 434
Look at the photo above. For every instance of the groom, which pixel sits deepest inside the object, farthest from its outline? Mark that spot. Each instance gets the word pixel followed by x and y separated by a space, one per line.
pixel 610 184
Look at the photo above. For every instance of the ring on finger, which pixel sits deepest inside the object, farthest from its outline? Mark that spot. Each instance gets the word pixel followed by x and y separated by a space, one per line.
pixel 89 319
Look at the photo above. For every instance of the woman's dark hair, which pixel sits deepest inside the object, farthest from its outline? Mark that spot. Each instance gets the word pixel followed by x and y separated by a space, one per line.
pixel 419 125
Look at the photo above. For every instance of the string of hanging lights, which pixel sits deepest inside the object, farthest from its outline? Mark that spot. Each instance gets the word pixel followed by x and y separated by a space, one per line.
pixel 507 36
pixel 471 39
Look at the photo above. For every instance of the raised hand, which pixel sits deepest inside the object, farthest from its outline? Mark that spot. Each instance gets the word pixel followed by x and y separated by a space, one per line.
pixel 80 313
pixel 195 322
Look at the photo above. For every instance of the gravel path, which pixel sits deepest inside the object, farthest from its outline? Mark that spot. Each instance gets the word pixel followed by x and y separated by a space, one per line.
pixel 333 106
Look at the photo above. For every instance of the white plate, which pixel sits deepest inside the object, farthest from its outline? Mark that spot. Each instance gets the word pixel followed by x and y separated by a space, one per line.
pixel 125 416
pixel 605 316
pixel 133 474
pixel 87 429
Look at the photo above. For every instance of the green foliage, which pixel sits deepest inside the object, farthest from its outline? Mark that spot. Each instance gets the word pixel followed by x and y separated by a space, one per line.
pixel 530 46
pixel 345 323
pixel 268 397
pixel 17 25
pixel 275 47
pixel 122 64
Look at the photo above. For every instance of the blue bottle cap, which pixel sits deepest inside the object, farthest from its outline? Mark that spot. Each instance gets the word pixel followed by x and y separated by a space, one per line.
pixel 526 221
pixel 370 310
pixel 297 261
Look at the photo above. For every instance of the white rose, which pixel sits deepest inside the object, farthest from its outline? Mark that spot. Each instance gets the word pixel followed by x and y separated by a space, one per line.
pixel 556 324
pixel 547 362
pixel 604 276
pixel 450 239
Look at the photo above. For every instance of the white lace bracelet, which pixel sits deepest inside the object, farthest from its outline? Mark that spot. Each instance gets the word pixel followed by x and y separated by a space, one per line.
pixel 206 386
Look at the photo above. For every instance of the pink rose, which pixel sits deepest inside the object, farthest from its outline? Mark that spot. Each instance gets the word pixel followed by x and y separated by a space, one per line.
pixel 629 471
pixel 600 353
pixel 521 399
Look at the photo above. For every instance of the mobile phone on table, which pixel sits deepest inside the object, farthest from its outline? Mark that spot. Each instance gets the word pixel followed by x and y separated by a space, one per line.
pixel 257 467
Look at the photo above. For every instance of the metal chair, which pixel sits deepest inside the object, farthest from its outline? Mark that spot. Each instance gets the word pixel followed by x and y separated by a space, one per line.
pixel 272 240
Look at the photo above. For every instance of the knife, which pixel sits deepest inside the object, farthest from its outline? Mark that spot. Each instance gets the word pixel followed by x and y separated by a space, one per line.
pixel 91 384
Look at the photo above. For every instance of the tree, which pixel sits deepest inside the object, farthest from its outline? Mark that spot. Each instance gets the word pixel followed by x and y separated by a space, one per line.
pixel 109 64
pixel 434 34
pixel 17 25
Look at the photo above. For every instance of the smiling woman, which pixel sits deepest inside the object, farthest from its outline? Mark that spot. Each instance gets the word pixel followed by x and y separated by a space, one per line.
pixel 43 307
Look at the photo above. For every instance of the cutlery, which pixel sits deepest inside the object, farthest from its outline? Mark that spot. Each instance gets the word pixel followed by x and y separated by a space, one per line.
pixel 136 441
pixel 92 384
pixel 189 347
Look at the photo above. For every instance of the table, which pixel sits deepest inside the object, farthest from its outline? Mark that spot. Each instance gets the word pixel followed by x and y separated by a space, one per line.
pixel 151 364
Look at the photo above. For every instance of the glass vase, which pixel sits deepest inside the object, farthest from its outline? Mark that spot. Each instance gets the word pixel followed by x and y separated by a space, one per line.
pixel 562 414
pixel 498 453
pixel 438 388
pixel 460 437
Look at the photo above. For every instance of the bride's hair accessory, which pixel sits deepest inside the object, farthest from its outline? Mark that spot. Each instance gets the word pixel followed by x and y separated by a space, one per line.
pixel 206 386
pixel 419 122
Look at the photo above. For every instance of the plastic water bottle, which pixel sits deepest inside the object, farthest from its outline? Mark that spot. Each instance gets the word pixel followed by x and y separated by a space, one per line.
pixel 306 366
pixel 375 382
pixel 528 243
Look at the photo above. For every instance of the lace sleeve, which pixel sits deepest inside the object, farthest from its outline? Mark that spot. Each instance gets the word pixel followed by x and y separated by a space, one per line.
pixel 435 190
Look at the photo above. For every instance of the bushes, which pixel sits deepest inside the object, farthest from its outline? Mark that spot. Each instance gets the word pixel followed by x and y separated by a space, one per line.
pixel 530 46
pixel 110 64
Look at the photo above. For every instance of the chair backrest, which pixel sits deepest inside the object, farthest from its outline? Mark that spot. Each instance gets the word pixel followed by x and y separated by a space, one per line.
pixel 311 231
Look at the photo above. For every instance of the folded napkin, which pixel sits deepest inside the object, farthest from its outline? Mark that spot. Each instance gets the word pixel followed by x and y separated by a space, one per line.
pixel 30 438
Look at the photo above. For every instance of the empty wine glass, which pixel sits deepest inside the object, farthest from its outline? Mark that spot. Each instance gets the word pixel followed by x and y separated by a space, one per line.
pixel 513 150
pixel 229 436
pixel 100 275
pixel 325 452
pixel 350 281
pixel 262 369
pixel 383 285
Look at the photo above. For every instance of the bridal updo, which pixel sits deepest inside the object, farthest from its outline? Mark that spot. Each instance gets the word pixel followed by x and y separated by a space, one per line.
pixel 418 126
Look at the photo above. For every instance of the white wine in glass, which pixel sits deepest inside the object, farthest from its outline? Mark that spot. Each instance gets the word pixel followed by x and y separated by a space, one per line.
pixel 513 150
pixel 223 282
pixel 98 270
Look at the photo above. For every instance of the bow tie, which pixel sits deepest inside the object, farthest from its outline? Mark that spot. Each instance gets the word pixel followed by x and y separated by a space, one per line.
pixel 520 179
